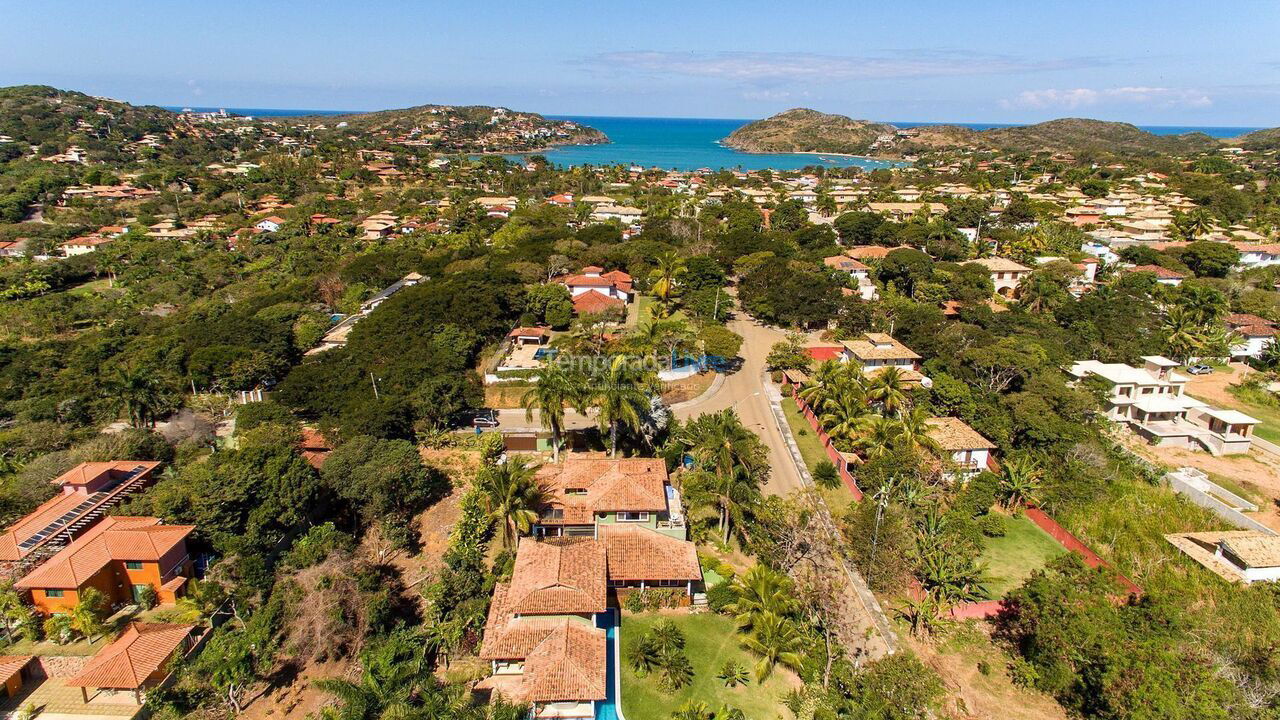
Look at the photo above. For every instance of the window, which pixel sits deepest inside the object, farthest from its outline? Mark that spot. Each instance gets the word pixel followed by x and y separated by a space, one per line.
pixel 53 593
pixel 133 564
pixel 633 517
pixel 553 514
pixel 670 583
pixel 575 491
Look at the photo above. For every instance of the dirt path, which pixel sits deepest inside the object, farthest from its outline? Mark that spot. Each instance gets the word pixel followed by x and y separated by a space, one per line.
pixel 1213 387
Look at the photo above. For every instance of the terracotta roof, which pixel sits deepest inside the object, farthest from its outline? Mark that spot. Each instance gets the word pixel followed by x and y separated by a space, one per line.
pixel 593 301
pixel 999 264
pixel 76 485
pixel 528 332
pixel 864 252
pixel 639 553
pixel 1255 550
pixel 558 577
pixel 954 434
pixel 567 663
pixel 125 664
pixel 841 262
pixel 610 485
pixel 1158 271
pixel 115 538
pixel 879 346
pixel 1245 319
pixel 11 665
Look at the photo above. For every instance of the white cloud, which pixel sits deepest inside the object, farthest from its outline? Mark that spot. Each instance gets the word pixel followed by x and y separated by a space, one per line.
pixel 768 67
pixel 1086 97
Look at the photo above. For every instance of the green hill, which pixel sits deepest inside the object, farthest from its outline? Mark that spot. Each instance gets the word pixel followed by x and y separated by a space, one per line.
pixel 466 127
pixel 39 114
pixel 805 130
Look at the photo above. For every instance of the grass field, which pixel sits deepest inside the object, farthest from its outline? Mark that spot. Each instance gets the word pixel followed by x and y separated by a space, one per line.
pixel 710 641
pixel 811 450
pixel 1012 558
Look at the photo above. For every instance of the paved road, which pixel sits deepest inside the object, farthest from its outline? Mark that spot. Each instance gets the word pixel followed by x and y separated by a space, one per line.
pixel 744 392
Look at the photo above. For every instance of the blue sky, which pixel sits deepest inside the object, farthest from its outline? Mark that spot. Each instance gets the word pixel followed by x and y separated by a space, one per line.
pixel 1161 63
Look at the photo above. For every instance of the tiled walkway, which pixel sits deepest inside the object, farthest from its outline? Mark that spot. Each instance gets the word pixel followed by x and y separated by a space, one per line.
pixel 52 697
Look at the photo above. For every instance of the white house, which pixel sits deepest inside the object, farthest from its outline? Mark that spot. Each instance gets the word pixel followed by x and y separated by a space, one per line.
pixel 860 272
pixel 1006 274
pixel 876 351
pixel 1256 556
pixel 968 449
pixel 270 224
pixel 614 284
pixel 621 213
pixel 1255 334
pixel 1252 255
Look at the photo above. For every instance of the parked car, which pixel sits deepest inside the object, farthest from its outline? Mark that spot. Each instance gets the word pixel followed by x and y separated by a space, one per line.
pixel 485 418
pixel 1199 369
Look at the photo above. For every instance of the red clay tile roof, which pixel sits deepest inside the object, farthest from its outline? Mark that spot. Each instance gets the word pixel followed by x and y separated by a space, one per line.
pixel 125 664
pixel 841 262
pixel 955 434
pixel 1158 271
pixel 863 252
pixel 11 665
pixel 611 485
pixel 84 474
pixel 1245 319
pixel 638 553
pixel 115 538
pixel 558 577
pixel 528 332
pixel 593 301
pixel 568 662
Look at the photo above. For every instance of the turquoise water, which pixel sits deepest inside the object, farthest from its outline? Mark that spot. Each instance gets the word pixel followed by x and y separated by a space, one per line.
pixel 693 143
pixel 607 710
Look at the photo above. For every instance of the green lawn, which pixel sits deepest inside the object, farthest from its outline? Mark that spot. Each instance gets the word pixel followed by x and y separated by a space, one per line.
pixel 1012 558
pixel 811 450
pixel 646 304
pixel 710 641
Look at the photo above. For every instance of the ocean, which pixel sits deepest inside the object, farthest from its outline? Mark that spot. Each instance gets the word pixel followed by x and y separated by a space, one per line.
pixel 693 143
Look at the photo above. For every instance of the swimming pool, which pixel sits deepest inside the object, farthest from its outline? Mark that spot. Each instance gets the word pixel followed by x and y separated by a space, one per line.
pixel 608 710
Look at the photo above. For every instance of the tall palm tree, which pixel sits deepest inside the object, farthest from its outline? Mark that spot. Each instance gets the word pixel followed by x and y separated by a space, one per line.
pixel 847 412
pixel 621 394
pixel 511 496
pixel 1182 333
pixel 913 431
pixel 1197 224
pixel 393 676
pixel 1204 304
pixel 776 640
pixel 666 279
pixel 877 438
pixel 888 389
pixel 730 464
pixel 553 388
pixel 139 393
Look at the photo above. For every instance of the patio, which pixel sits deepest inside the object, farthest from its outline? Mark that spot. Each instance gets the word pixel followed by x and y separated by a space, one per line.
pixel 56 701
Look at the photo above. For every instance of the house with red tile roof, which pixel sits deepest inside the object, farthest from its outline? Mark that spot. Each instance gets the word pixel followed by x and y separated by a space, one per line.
pixel 1164 275
pixel 136 661
pixel 85 493
pixel 119 557
pixel 586 494
pixel 1254 333
pixel 615 284
pixel 541 636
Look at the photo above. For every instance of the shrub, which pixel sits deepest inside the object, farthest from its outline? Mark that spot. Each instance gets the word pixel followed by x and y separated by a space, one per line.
pixel 677 671
pixel 146 597
pixel 721 596
pixel 825 475
pixel 734 674
pixel 992 525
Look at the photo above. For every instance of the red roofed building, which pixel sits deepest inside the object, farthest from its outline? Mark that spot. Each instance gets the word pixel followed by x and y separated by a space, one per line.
pixel 85 494
pixel 1255 334
pixel 823 353
pixel 1164 275
pixel 119 557
pixel 614 284
pixel 594 302
pixel 135 661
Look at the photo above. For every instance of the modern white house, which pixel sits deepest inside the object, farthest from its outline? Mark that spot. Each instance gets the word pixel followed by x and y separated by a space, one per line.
pixel 860 272
pixel 874 352
pixel 1150 400
pixel 271 224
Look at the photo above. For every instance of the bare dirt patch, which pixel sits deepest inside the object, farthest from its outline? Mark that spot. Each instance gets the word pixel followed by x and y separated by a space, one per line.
pixel 687 389
pixel 970 693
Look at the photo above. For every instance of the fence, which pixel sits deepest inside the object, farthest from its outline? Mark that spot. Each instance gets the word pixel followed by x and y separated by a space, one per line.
pixel 1074 544
pixel 1195 486
pixel 837 458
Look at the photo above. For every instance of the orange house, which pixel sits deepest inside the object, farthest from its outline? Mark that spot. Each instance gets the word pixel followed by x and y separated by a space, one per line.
pixel 119 557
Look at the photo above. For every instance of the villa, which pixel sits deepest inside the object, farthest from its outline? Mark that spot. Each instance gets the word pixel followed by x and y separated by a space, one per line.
pixel 1151 401
pixel 596 291
pixel 121 557
pixel 1255 333
pixel 586 494
pixel 1006 274
pixel 856 269
pixel 876 351
pixel 968 450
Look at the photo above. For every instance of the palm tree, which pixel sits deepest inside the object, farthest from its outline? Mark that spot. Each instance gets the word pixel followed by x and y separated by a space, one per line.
pixel 392 677
pixel 87 615
pixel 888 389
pixel 877 438
pixel 761 590
pixel 776 640
pixel 821 384
pixel 730 463
pixel 666 279
pixel 554 387
pixel 952 577
pixel 1204 304
pixel 1197 223
pixel 913 431
pixel 694 710
pixel 847 412
pixel 621 394
pixel 139 394
pixel 1182 333
pixel 1019 481
pixel 511 496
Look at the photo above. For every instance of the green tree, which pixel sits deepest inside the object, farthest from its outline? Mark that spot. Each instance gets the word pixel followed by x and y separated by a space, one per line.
pixel 620 394
pixel 553 388
pixel 775 639
pixel 139 394
pixel 511 497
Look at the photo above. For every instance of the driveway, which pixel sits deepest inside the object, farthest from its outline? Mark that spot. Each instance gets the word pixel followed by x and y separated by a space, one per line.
pixel 744 392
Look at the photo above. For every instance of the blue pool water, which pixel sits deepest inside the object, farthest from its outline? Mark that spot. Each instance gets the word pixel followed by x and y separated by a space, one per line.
pixel 608 710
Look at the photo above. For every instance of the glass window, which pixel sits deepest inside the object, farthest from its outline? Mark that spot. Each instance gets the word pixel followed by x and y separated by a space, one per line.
pixel 133 564
pixel 53 593
pixel 633 517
